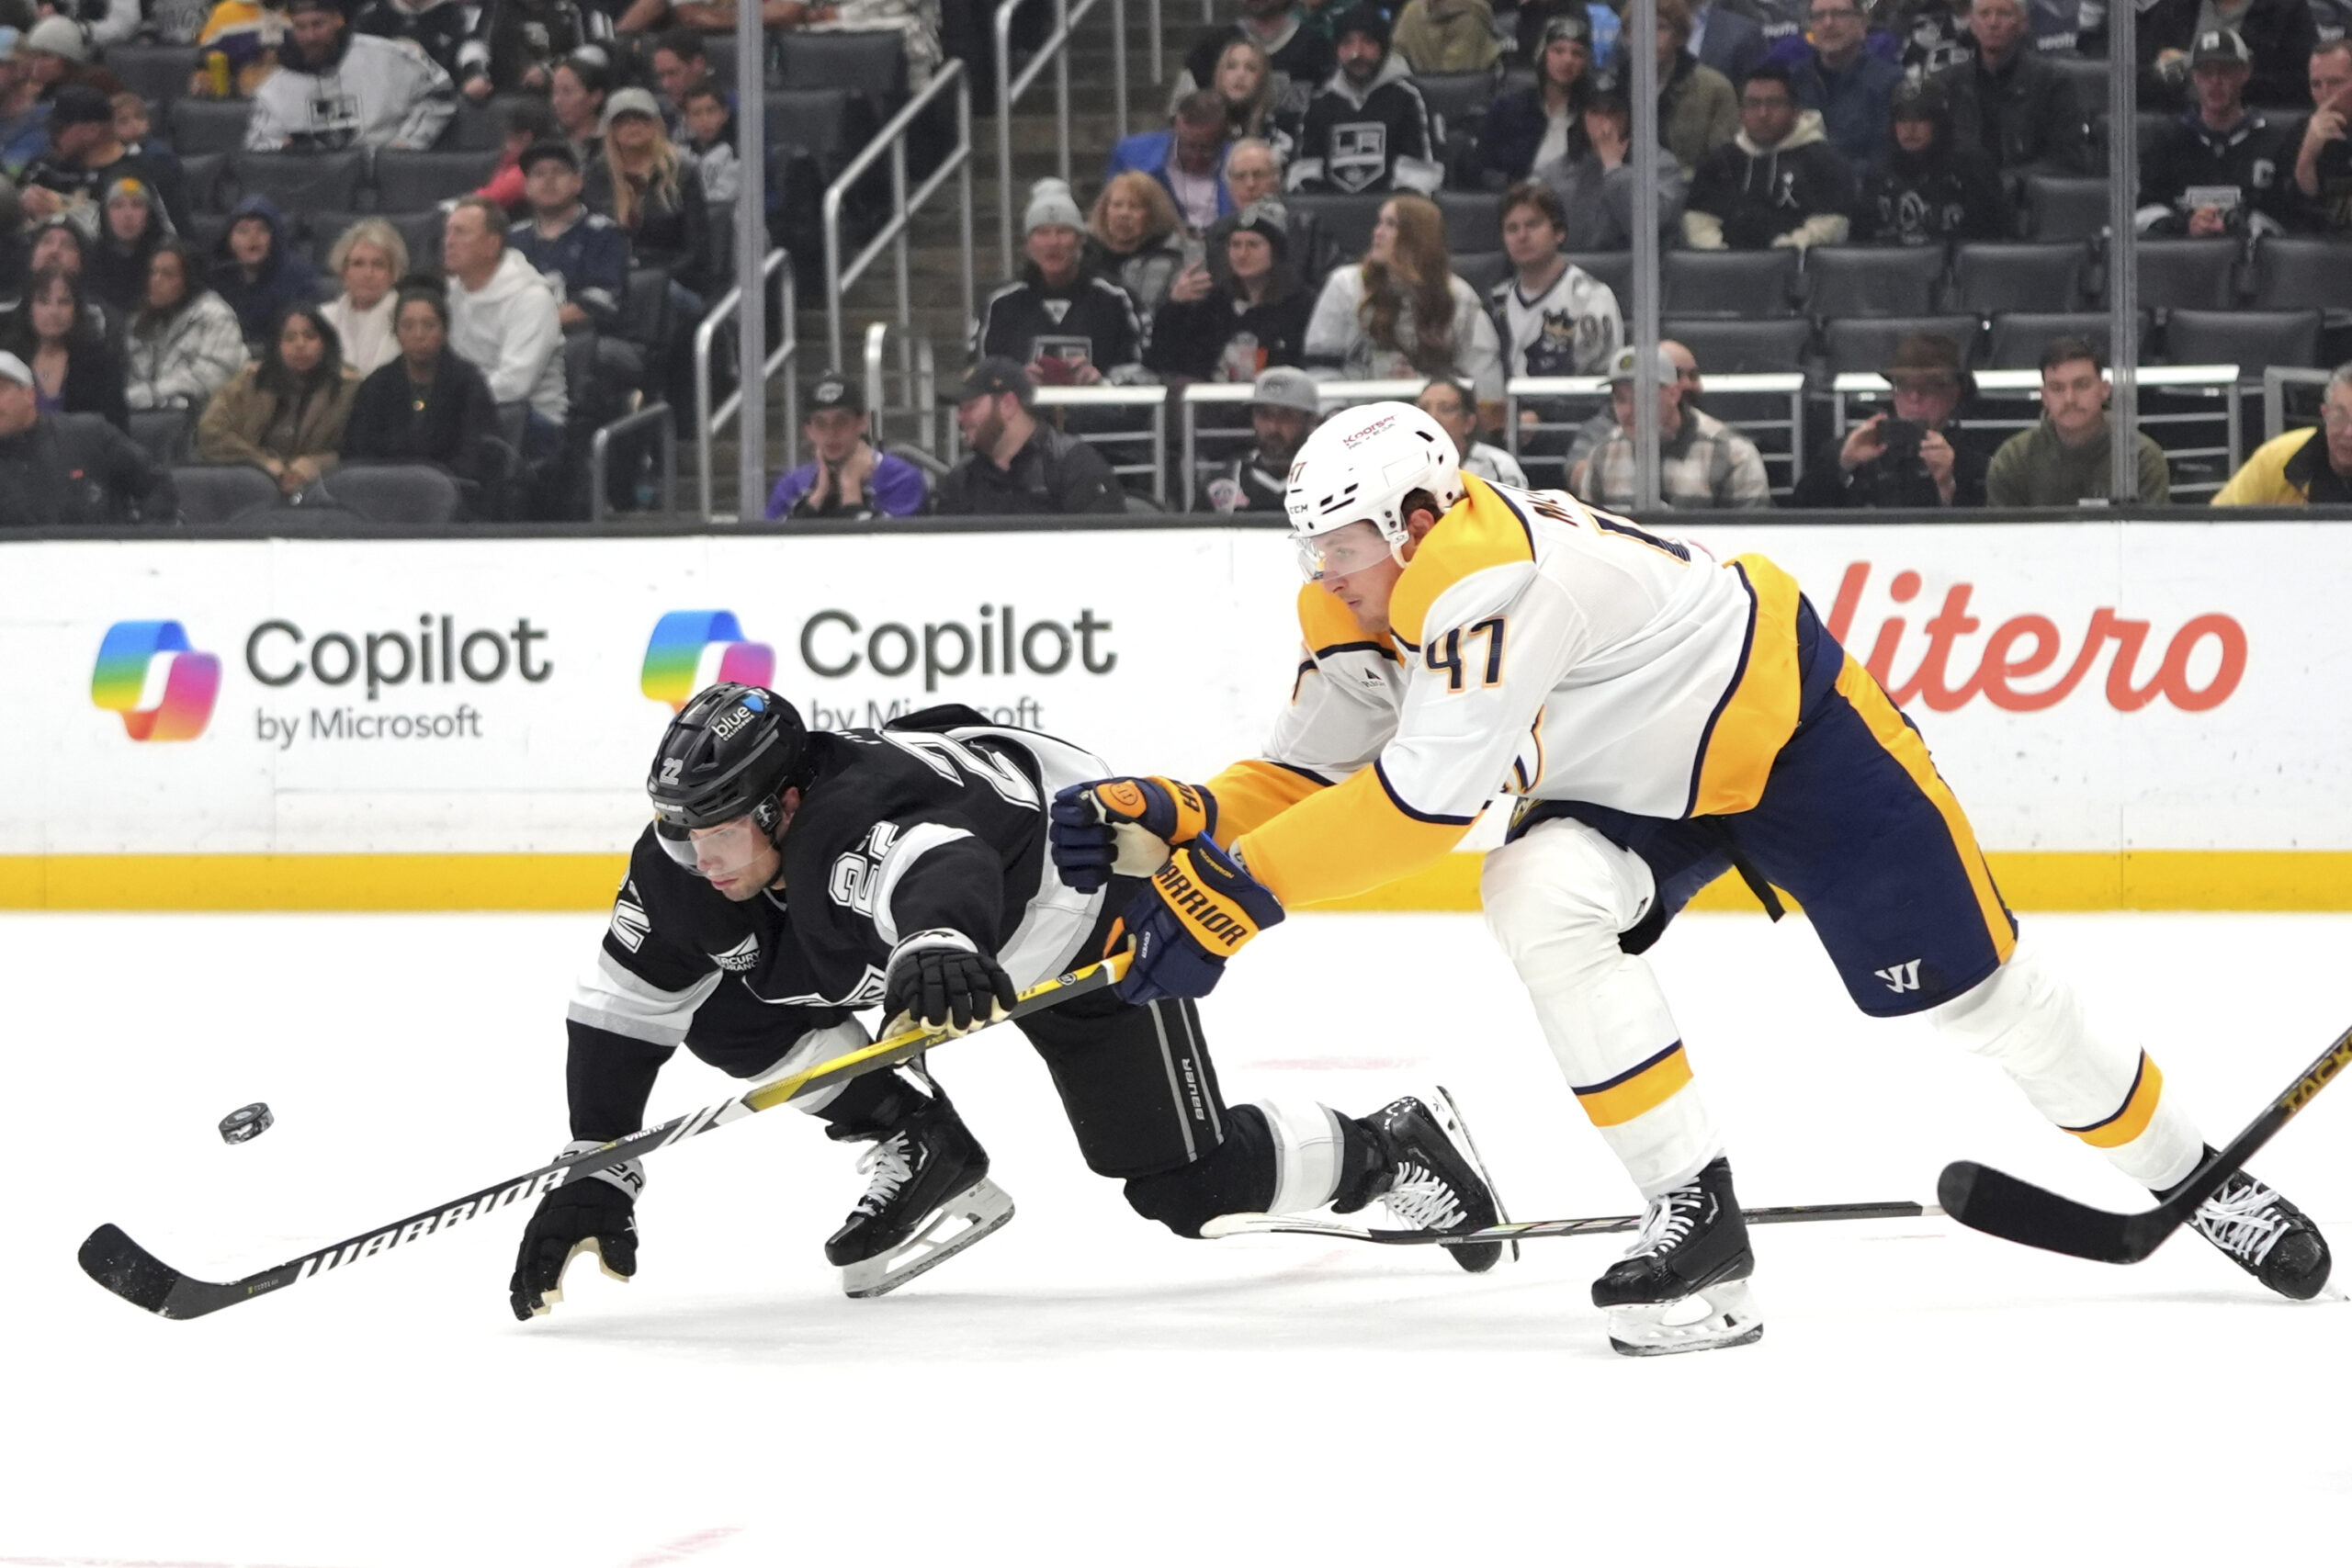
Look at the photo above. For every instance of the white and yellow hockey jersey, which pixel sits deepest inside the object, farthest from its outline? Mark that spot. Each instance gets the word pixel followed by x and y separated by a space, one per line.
pixel 1538 647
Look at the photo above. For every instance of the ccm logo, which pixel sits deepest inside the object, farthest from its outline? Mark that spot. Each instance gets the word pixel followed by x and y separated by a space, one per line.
pixel 2025 647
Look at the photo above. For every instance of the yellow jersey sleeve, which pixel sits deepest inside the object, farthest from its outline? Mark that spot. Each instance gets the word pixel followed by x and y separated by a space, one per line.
pixel 1342 709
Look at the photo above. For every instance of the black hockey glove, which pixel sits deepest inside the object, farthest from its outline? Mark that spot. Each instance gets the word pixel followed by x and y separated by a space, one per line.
pixel 597 1213
pixel 939 980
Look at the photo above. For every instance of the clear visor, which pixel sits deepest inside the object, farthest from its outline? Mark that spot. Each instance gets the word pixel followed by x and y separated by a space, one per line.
pixel 724 851
pixel 1342 551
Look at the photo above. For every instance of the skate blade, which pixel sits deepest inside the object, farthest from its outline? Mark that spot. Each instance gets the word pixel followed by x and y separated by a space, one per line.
pixel 1448 1118
pixel 1720 1317
pixel 981 1211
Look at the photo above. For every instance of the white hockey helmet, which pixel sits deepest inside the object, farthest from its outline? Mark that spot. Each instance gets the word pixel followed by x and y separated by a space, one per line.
pixel 1359 467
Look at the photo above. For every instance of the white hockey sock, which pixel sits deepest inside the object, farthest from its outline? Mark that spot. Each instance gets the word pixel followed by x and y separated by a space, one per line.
pixel 1555 900
pixel 1307 1155
pixel 2106 1093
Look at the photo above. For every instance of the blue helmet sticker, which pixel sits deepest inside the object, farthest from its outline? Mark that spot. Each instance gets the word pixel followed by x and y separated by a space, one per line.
pixel 753 700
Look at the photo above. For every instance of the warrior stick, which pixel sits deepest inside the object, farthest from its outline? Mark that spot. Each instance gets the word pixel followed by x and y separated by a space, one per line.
pixel 139 1277
pixel 1531 1229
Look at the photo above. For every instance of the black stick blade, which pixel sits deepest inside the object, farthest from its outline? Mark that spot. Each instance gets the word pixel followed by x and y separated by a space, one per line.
pixel 1999 1204
pixel 127 1268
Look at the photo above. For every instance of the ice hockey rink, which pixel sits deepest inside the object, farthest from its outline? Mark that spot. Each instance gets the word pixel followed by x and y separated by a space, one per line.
pixel 1082 1387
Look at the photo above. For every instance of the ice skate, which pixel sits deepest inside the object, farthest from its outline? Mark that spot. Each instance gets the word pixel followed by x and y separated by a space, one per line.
pixel 928 1197
pixel 1683 1284
pixel 1431 1178
pixel 2256 1227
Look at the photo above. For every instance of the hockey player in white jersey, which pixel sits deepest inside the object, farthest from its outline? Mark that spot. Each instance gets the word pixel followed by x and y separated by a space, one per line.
pixel 1660 717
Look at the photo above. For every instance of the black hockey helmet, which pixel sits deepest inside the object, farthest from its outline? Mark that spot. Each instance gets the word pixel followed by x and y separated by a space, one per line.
pixel 731 751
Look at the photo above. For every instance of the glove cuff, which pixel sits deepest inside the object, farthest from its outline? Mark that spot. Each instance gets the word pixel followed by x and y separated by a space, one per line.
pixel 938 936
pixel 629 1176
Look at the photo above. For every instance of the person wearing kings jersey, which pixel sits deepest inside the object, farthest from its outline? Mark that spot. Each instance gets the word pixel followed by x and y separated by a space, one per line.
pixel 1656 717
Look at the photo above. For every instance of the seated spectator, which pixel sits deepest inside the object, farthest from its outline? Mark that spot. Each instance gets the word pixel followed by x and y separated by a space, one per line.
pixel 1233 326
pixel 584 252
pixel 1555 319
pixel 1544 123
pixel 1018 466
pixel 517 45
pixel 639 182
pixel 2067 459
pixel 246 36
pixel 2280 36
pixel 1284 408
pixel 85 159
pixel 24 113
pixel 1932 35
pixel 1595 188
pixel 1702 462
pixel 57 243
pixel 71 469
pixel 1253 175
pixel 59 56
pixel 183 343
pixel 131 226
pixel 1928 190
pixel 257 270
pixel 335 89
pixel 2324 157
pixel 1456 407
pixel 1918 455
pixel 576 92
pixel 285 413
pixel 1070 325
pixel 1852 87
pixel 1186 161
pixel 2302 467
pixel 1137 242
pixel 1299 52
pixel 521 121
pixel 1698 108
pixel 1246 92
pixel 2221 168
pixel 425 404
pixel 1401 311
pixel 1437 36
pixel 1594 431
pixel 710 145
pixel 1779 184
pixel 846 478
pixel 2012 104
pixel 1600 16
pixel 74 370
pixel 503 318
pixel 680 65
pixel 370 258
pixel 438 28
pixel 917 23
pixel 1726 38
pixel 1367 128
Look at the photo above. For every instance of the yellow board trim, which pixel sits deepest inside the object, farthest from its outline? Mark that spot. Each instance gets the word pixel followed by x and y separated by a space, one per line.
pixel 2139 1110
pixel 1647 1090
pixel 2305 880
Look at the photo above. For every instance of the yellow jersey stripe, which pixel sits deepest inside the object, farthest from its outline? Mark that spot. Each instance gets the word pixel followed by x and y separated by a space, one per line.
pixel 1326 625
pixel 1254 792
pixel 1343 840
pixel 1758 712
pixel 2138 1109
pixel 1903 743
pixel 1638 1090
pixel 1479 531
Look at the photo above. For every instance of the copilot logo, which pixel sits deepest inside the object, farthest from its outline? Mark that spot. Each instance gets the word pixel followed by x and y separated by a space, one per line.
pixel 682 642
pixel 182 689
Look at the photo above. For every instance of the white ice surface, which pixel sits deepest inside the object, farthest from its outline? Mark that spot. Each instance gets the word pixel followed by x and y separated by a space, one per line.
pixel 1084 1388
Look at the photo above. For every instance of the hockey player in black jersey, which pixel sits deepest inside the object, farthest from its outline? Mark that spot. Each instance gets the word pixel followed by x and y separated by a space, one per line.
pixel 789 880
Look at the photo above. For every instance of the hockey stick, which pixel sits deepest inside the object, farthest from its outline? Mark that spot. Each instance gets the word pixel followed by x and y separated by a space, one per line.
pixel 139 1277
pixel 1999 1204
pixel 1530 1230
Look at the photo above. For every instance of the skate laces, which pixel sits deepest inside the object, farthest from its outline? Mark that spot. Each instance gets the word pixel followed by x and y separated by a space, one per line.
pixel 888 1170
pixel 1421 1200
pixel 2240 1220
pixel 1669 1221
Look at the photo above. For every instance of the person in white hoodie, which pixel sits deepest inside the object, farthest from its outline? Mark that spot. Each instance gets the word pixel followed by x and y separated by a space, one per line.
pixel 334 88
pixel 503 317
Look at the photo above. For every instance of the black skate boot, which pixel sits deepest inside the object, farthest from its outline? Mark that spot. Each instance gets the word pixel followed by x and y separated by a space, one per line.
pixel 2257 1228
pixel 928 1197
pixel 1683 1284
pixel 1429 1176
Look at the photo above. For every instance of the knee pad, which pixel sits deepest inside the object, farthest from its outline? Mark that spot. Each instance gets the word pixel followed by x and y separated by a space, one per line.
pixel 1561 894
pixel 2019 1016
pixel 1238 1177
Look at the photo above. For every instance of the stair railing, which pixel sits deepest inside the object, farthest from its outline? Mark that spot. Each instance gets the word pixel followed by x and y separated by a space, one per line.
pixel 892 139
pixel 1054 51
pixel 708 420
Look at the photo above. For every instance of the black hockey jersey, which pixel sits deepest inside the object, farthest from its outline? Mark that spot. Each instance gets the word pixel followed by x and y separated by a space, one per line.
pixel 440 28
pixel 2248 172
pixel 1089 322
pixel 1376 139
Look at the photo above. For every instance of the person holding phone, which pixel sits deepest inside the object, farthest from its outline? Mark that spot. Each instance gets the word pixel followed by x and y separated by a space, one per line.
pixel 1917 455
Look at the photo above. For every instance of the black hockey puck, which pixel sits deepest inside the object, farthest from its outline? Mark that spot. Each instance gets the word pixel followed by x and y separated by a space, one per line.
pixel 245 1123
